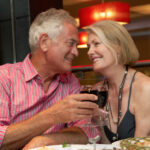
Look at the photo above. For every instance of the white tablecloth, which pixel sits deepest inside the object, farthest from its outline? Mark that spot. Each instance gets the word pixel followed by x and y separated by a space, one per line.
pixel 77 147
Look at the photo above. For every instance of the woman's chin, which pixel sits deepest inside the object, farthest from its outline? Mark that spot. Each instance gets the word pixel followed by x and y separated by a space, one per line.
pixel 96 68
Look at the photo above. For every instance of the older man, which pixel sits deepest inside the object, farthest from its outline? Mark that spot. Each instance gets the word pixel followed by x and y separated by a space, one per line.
pixel 38 97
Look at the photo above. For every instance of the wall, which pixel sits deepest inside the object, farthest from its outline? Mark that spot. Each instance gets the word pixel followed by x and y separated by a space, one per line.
pixel 15 20
pixel 13 36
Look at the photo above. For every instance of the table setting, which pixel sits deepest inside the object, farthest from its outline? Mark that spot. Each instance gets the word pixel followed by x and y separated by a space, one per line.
pixel 78 147
pixel 138 143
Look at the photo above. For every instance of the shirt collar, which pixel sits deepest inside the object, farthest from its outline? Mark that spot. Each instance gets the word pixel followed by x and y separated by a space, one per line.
pixel 65 77
pixel 30 72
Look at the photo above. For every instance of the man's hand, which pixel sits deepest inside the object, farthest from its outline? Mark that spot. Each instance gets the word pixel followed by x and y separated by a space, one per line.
pixel 73 107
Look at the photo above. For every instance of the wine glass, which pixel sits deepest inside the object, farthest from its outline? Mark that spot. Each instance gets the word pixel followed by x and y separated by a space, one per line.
pixel 87 89
pixel 94 140
pixel 102 92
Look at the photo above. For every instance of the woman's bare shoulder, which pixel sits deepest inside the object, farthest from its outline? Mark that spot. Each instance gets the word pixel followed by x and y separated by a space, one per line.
pixel 141 87
pixel 142 81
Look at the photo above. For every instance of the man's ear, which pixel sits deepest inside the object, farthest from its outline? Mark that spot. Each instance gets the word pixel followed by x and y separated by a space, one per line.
pixel 44 40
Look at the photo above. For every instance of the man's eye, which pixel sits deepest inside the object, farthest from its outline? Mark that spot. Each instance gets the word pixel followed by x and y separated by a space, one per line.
pixel 70 44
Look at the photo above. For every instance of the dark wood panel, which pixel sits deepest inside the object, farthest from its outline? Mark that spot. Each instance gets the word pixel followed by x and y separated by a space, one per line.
pixel 37 6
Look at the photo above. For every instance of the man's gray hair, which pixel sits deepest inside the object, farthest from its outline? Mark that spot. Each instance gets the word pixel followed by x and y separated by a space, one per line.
pixel 50 22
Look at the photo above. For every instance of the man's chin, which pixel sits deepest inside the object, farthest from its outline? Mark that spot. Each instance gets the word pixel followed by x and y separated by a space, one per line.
pixel 67 69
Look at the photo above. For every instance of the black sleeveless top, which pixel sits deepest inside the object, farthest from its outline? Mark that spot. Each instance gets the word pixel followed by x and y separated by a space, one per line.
pixel 126 127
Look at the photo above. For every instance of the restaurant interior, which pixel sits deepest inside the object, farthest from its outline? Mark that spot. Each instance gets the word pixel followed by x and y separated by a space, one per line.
pixel 138 27
pixel 17 15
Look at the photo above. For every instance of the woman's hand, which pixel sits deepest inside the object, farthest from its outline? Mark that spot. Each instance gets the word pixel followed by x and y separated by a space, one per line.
pixel 100 117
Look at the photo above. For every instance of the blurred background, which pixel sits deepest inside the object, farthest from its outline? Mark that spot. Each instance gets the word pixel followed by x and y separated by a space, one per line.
pixel 17 15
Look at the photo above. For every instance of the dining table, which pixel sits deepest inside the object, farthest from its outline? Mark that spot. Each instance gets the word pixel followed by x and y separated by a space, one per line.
pixel 79 147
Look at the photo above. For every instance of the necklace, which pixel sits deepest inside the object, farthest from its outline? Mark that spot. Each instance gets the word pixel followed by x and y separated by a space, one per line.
pixel 115 121
pixel 115 137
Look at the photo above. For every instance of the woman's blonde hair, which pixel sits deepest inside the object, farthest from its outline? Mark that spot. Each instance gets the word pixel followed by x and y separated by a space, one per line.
pixel 118 41
pixel 50 22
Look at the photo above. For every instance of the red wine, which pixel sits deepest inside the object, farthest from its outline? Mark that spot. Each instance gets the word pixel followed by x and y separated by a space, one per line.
pixel 102 97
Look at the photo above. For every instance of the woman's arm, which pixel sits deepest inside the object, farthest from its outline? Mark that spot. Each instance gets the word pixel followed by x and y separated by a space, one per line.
pixel 142 110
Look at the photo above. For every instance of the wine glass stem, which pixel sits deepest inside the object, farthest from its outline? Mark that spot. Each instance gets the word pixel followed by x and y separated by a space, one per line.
pixel 94 146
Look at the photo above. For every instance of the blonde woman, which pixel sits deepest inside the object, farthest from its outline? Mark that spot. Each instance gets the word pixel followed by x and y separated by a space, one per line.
pixel 113 52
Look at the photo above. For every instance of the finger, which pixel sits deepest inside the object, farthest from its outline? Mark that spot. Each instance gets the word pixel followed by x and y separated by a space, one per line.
pixel 82 97
pixel 102 111
pixel 87 105
pixel 81 117
pixel 85 111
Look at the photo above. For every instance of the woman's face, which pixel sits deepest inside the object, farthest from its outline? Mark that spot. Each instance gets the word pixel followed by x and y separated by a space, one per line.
pixel 99 54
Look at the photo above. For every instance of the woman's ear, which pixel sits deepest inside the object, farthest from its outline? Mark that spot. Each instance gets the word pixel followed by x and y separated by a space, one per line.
pixel 44 40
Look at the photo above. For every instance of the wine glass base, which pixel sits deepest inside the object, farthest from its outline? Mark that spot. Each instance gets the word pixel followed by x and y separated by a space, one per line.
pixel 94 140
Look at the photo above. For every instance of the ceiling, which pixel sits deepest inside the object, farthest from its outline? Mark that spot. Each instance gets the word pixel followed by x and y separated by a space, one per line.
pixel 138 8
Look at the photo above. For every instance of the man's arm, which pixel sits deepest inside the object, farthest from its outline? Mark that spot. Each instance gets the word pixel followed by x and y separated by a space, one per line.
pixel 70 109
pixel 72 135
pixel 17 135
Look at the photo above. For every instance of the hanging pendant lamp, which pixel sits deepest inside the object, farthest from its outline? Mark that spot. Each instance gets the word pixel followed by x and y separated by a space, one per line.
pixel 118 11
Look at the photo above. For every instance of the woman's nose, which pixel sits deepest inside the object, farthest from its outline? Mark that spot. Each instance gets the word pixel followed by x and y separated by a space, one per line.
pixel 90 51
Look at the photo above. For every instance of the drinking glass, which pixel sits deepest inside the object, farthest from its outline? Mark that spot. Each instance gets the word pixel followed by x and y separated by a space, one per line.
pixel 87 89
pixel 94 140
pixel 100 90
pixel 102 93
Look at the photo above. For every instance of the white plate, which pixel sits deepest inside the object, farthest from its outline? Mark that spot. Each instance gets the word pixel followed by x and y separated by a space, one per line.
pixel 117 143
pixel 59 147
pixel 76 147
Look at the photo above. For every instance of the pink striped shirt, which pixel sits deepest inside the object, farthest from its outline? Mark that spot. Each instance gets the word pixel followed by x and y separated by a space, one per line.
pixel 22 95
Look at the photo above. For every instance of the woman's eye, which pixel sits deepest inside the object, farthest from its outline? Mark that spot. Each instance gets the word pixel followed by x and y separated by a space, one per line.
pixel 88 46
pixel 96 43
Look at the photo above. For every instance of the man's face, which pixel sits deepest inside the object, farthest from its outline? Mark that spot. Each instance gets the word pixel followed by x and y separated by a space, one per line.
pixel 63 50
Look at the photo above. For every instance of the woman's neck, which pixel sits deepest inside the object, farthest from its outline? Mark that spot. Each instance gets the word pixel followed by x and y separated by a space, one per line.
pixel 115 76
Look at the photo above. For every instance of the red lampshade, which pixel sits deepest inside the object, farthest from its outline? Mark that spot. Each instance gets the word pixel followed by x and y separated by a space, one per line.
pixel 118 11
pixel 83 38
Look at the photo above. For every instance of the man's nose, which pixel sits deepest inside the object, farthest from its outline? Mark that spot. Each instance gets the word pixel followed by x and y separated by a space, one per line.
pixel 75 51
